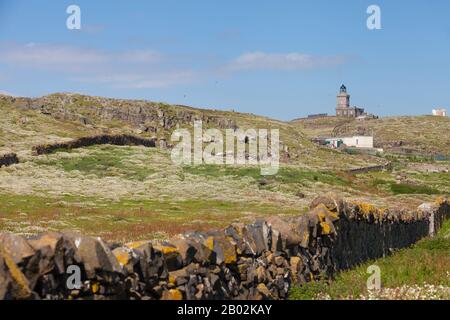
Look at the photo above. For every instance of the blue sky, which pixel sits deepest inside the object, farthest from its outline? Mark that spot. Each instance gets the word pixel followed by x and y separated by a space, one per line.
pixel 282 59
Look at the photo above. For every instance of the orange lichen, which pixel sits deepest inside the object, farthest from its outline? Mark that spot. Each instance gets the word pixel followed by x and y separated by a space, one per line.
pixel 326 229
pixel 440 201
pixel 95 287
pixel 229 253
pixel 136 244
pixel 323 211
pixel 173 294
pixel 209 243
pixel 305 238
pixel 122 256
pixel 367 208
pixel 166 250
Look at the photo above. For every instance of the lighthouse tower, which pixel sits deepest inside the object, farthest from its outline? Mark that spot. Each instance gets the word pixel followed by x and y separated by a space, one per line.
pixel 343 108
pixel 343 98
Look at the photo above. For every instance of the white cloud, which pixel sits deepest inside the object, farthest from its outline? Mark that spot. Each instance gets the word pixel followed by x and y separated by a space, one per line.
pixel 68 58
pixel 62 58
pixel 140 80
pixel 282 61
pixel 143 69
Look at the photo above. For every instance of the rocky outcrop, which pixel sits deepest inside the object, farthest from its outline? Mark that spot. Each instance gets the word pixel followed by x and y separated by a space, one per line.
pixel 119 140
pixel 8 159
pixel 261 260
pixel 144 115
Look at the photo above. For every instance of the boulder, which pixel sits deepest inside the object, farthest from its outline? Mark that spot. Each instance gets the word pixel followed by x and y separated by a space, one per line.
pixel 203 254
pixel 17 246
pixel 126 258
pixel 251 239
pixel 96 256
pixel 13 283
pixel 286 232
pixel 332 202
pixel 224 248
pixel 171 255
pixel 59 247
pixel 186 248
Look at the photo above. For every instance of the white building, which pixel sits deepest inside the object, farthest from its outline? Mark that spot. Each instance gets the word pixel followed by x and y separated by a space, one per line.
pixel 440 112
pixel 358 141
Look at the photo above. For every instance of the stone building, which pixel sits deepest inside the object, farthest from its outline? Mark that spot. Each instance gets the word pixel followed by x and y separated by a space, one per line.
pixel 343 108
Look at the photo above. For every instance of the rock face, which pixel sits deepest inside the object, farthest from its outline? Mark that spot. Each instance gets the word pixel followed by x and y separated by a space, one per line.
pixel 261 260
pixel 8 159
pixel 143 115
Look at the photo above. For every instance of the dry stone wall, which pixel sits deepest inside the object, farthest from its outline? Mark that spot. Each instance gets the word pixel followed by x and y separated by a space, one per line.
pixel 120 140
pixel 8 159
pixel 261 260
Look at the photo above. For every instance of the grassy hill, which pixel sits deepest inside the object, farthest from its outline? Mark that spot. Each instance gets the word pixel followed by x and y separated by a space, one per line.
pixel 423 134
pixel 133 192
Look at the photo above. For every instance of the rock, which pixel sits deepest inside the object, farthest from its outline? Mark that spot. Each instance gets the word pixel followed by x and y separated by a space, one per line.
pixel 302 226
pixel 179 277
pixel 300 194
pixel 17 246
pixel 331 202
pixel 265 181
pixel 255 239
pixel 13 283
pixel 126 258
pixel 224 250
pixel 60 247
pixel 203 253
pixel 279 261
pixel 321 219
pixel 280 272
pixel 8 159
pixel 263 292
pixel 261 274
pixel 45 240
pixel 172 294
pixel 152 266
pixel 186 248
pixel 35 261
pixel 171 255
pixel 287 233
pixel 296 268
pixel 96 256
pixel 199 291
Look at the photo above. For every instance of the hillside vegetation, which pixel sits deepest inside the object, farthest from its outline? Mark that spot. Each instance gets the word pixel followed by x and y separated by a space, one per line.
pixel 134 192
pixel 422 134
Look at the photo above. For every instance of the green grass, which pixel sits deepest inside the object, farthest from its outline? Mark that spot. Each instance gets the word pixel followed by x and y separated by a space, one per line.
pixel 428 261
pixel 126 219
pixel 403 188
pixel 103 161
pixel 285 175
